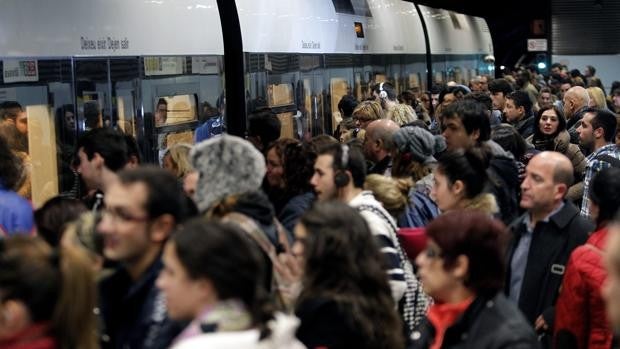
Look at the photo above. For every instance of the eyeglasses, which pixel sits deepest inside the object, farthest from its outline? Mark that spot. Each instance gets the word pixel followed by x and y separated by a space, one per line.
pixel 432 252
pixel 362 119
pixel 116 215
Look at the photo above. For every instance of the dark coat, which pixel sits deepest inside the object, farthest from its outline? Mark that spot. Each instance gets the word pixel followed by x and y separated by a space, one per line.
pixel 134 313
pixel 525 126
pixel 325 325
pixel 551 246
pixel 486 324
pixel 294 209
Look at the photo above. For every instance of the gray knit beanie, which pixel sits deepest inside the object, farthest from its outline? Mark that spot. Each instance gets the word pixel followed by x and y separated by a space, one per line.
pixel 420 143
pixel 228 165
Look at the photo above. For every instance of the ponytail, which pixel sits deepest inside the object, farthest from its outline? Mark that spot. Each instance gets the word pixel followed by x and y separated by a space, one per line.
pixel 391 192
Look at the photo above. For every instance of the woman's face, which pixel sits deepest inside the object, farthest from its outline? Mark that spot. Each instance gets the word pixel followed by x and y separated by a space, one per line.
pixel 443 193
pixel 169 165
pixel 186 298
pixel 426 101
pixel 275 171
pixel 436 280
pixel 548 123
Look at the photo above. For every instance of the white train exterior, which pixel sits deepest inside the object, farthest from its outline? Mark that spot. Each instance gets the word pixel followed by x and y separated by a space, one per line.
pixel 300 57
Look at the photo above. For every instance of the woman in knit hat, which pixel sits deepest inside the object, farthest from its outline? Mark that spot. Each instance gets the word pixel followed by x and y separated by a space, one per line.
pixel 231 172
pixel 414 155
pixel 413 164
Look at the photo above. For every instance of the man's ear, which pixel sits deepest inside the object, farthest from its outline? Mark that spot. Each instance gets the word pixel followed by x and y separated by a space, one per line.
pixel 561 190
pixel 475 135
pixel 379 143
pixel 162 227
pixel 98 160
pixel 599 133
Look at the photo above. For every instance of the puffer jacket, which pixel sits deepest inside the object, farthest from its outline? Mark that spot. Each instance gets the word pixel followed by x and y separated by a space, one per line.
pixel 580 318
pixel 562 144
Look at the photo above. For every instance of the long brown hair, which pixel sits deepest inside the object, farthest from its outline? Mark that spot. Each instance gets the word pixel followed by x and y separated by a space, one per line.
pixel 343 263
pixel 56 286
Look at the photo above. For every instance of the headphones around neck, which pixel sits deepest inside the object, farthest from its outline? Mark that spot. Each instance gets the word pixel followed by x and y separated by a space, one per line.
pixel 341 178
pixel 382 93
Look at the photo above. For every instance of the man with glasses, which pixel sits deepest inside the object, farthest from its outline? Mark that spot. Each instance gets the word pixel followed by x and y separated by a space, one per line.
pixel 367 112
pixel 142 209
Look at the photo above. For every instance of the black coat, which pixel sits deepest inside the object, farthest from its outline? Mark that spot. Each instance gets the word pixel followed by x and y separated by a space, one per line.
pixel 551 246
pixel 325 324
pixel 134 313
pixel 486 324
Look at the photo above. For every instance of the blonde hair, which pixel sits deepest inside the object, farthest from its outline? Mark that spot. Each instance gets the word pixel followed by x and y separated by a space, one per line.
pixel 391 192
pixel 597 96
pixel 179 154
pixel 82 234
pixel 403 114
pixel 368 111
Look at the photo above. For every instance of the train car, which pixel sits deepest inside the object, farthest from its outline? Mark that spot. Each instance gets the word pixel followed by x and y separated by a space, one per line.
pixel 154 69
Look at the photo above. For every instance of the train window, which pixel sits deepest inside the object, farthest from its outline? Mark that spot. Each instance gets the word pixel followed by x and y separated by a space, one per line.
pixel 180 94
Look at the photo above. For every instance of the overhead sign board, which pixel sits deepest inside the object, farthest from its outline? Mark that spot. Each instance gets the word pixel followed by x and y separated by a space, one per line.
pixel 536 45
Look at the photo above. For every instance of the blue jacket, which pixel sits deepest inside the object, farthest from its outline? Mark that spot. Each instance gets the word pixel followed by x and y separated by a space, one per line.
pixel 420 211
pixel 15 214
pixel 294 209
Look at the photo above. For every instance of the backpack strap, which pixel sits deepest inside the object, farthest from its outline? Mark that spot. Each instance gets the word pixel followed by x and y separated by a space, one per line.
pixel 250 227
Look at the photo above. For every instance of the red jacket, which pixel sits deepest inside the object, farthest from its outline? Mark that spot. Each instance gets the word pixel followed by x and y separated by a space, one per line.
pixel 580 318
pixel 34 337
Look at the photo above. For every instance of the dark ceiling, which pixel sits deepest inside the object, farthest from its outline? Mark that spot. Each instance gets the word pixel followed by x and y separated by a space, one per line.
pixel 510 23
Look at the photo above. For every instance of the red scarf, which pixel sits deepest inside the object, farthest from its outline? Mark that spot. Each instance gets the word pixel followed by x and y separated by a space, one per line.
pixel 34 337
pixel 442 316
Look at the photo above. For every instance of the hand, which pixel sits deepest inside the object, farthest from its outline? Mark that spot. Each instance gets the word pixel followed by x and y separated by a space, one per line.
pixel 540 324
pixel 288 271
pixel 289 268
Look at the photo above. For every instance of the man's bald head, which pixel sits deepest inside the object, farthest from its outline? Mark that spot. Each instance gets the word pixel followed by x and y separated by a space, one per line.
pixel 562 167
pixel 579 96
pixel 383 130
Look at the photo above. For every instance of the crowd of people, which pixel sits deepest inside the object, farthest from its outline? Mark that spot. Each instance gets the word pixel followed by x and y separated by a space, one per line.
pixel 511 185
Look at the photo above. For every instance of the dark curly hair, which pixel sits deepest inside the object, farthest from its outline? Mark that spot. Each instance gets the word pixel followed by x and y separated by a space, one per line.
pixel 298 163
pixel 9 166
